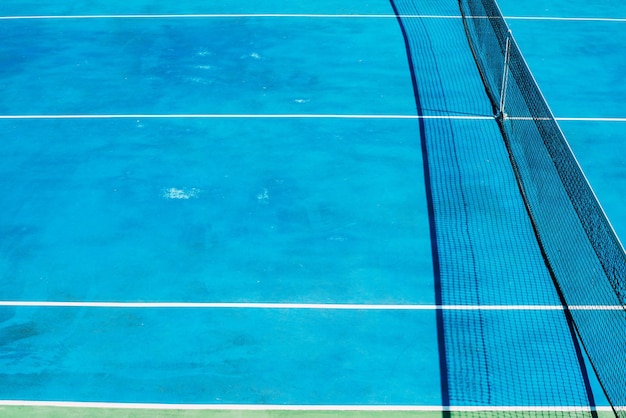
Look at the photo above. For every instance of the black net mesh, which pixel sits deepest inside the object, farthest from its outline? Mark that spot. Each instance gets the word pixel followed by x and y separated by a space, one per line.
pixel 493 215
pixel 582 251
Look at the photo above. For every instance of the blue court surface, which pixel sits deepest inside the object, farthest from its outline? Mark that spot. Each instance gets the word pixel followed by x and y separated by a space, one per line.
pixel 258 208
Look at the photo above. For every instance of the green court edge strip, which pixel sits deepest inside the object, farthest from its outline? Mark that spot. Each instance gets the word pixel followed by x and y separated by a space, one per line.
pixel 22 409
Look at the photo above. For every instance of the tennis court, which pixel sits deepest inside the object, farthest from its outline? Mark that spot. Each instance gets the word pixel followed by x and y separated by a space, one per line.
pixel 268 209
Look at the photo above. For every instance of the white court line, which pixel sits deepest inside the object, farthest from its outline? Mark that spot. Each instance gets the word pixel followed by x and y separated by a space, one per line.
pixel 298 116
pixel 302 15
pixel 568 19
pixel 245 116
pixel 262 407
pixel 318 306
pixel 567 119
pixel 233 15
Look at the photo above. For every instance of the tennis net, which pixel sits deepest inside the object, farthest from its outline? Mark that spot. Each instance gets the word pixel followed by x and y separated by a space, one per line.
pixel 586 259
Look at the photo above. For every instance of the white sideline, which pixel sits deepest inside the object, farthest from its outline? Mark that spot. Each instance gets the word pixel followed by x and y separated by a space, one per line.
pixel 319 306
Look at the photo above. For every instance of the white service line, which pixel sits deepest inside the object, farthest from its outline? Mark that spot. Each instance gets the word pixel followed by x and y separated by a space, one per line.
pixel 245 116
pixel 232 15
pixel 329 408
pixel 565 119
pixel 301 15
pixel 299 116
pixel 319 306
pixel 568 19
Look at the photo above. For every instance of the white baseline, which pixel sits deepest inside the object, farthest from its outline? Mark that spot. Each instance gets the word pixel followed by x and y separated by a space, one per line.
pixel 268 407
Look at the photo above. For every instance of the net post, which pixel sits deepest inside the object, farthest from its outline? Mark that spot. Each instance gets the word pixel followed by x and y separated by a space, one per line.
pixel 505 78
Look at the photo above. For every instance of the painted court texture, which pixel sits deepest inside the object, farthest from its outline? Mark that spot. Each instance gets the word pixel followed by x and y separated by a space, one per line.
pixel 266 210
